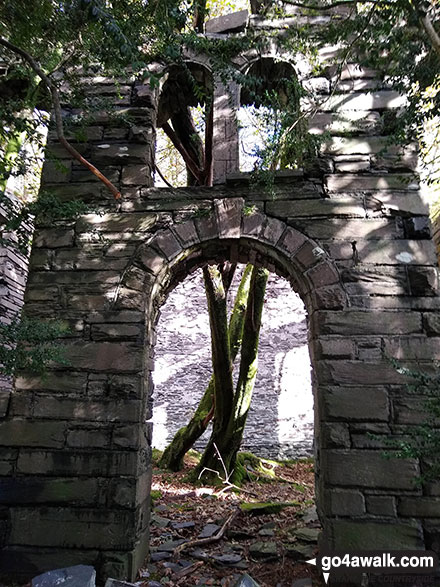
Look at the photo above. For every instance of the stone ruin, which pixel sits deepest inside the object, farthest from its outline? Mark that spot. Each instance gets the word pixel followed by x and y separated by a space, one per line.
pixel 350 233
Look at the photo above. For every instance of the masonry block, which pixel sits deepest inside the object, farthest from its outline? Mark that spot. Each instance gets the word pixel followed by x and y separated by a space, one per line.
pixel 356 403
pixel 228 214
pixel 369 468
pixel 348 536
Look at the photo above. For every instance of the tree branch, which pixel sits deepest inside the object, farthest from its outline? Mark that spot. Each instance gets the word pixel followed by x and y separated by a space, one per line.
pixel 195 170
pixel 58 117
pixel 428 27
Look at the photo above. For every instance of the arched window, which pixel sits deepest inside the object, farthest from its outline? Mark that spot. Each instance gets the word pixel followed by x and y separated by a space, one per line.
pixel 185 116
pixel 272 132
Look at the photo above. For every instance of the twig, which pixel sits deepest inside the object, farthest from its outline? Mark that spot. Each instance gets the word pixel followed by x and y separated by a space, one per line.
pixel 162 177
pixel 58 116
pixel 210 540
pixel 188 570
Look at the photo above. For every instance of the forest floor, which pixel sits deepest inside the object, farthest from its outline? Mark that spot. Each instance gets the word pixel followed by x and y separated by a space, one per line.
pixel 269 542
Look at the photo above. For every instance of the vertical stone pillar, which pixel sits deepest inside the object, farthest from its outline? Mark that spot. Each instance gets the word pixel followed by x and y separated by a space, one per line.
pixel 226 105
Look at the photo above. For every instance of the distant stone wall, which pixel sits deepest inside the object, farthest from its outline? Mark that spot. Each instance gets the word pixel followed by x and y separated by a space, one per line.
pixel 280 422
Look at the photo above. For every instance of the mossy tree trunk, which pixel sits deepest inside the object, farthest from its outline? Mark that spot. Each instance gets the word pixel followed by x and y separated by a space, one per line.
pixel 230 417
pixel 186 436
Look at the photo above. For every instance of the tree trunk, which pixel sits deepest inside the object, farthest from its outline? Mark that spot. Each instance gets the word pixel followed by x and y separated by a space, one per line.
pixel 186 436
pixel 227 440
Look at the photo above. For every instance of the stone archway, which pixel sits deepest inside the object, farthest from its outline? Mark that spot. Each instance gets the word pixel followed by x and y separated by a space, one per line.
pixel 75 446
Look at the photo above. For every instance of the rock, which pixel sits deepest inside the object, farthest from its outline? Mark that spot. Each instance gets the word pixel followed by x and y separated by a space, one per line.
pixel 228 560
pixel 159 556
pixel 159 521
pixel 307 534
pixel 154 584
pixel 173 566
pixel 116 583
pixel 263 550
pixel 302 583
pixel 300 551
pixel 266 508
pixel 310 515
pixel 181 525
pixel 77 576
pixel 246 581
pixel 170 545
pixel 209 530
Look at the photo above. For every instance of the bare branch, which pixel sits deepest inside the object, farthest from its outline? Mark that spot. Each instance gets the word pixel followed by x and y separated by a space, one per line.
pixel 162 177
pixel 58 117
pixel 195 170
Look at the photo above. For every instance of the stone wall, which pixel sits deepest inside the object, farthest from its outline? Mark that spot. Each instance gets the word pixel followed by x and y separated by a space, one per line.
pixel 351 235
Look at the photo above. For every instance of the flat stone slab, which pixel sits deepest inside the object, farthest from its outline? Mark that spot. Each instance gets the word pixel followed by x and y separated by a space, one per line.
pixel 246 581
pixel 307 534
pixel 116 583
pixel 77 576
pixel 209 530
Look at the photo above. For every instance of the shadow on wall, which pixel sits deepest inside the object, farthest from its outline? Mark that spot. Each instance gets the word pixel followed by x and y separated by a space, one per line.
pixel 280 422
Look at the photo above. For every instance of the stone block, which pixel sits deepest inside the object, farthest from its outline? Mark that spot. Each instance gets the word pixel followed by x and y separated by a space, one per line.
pixel 338 228
pixel 360 146
pixel 54 237
pixel 397 203
pixel 121 222
pixel 339 123
pixel 20 432
pixel 167 243
pixel 123 154
pixel 380 100
pixel 411 410
pixel 70 382
pixel 88 438
pixel 335 347
pixel 335 435
pixel 356 403
pixel 186 232
pixel 342 502
pixel 253 224
pixel 291 241
pixel 369 468
pixel 273 230
pixel 115 331
pixel 419 507
pixel 355 165
pixel 323 274
pixel 58 526
pixel 33 490
pixel 235 22
pixel 151 259
pixel 347 536
pixel 383 280
pixel 405 252
pixel 331 297
pixel 104 356
pixel 136 175
pixel 83 175
pixel 74 409
pixel 4 403
pixel 381 505
pixel 228 214
pixel 431 323
pixel 352 323
pixel 78 576
pixel 341 206
pixel 356 373
pixel 423 281
pixel 346 182
pixel 57 171
pixel 77 462
pixel 415 347
pixel 206 227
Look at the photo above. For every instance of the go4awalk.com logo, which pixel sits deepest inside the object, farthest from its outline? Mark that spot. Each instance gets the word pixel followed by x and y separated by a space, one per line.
pixel 354 565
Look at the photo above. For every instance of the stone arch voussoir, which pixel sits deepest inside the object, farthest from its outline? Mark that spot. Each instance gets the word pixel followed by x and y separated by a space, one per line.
pixel 299 258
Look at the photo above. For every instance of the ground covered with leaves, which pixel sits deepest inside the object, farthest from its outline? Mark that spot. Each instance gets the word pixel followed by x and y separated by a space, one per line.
pixel 212 535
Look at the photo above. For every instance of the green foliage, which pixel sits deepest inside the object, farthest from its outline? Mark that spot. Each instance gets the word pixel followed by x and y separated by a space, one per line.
pixel 48 208
pixel 422 441
pixel 28 344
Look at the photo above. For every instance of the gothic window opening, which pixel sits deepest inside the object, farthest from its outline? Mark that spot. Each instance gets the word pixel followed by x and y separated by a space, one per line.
pixel 184 138
pixel 272 131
